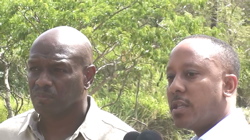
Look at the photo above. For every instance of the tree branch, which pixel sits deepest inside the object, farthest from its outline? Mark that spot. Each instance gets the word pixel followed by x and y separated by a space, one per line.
pixel 119 95
pixel 115 13
pixel 106 51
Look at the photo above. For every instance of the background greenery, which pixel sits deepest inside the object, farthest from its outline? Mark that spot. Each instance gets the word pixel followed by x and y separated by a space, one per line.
pixel 131 41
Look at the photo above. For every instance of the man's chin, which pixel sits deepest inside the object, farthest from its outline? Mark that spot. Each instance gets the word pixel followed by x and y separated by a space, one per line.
pixel 181 123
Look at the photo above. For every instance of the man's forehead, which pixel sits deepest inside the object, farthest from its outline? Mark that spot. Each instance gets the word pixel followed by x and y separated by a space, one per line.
pixel 193 53
pixel 202 47
pixel 37 60
pixel 45 49
pixel 55 56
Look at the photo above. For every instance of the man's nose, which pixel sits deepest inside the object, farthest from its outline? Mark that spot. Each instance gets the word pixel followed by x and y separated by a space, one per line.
pixel 176 86
pixel 43 80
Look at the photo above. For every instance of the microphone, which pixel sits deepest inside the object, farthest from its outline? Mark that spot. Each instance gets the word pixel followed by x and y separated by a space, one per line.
pixel 131 135
pixel 144 135
pixel 149 135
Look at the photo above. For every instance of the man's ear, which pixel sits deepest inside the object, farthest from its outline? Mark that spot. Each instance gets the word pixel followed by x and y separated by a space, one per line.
pixel 89 73
pixel 231 84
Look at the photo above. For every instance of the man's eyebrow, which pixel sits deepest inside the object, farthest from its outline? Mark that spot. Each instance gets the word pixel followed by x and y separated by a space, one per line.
pixel 186 64
pixel 191 64
pixel 31 61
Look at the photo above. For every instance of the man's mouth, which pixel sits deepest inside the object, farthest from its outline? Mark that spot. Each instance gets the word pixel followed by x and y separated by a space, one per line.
pixel 178 104
pixel 43 96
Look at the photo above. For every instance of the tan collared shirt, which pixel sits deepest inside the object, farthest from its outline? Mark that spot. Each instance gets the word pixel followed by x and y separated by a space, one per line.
pixel 98 125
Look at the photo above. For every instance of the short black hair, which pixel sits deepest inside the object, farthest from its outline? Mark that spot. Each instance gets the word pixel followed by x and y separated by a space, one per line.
pixel 229 57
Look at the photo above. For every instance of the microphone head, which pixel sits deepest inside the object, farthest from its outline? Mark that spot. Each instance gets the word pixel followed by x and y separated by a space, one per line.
pixel 149 135
pixel 131 135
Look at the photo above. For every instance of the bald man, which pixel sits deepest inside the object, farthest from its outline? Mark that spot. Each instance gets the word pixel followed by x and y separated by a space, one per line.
pixel 203 75
pixel 60 71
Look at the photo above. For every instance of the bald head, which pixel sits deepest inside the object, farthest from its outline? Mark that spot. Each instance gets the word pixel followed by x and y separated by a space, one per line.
pixel 63 42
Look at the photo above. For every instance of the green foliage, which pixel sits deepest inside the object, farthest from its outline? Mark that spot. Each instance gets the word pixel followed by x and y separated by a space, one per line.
pixel 27 105
pixel 3 115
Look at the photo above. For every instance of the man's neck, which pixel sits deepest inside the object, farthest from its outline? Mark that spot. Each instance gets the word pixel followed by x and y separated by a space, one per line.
pixel 62 126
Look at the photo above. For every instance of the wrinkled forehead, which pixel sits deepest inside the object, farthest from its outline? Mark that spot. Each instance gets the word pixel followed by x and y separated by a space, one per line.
pixel 200 47
pixel 54 50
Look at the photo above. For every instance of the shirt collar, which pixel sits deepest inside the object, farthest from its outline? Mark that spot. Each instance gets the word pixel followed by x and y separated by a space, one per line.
pixel 235 118
pixel 87 128
pixel 30 121
pixel 92 121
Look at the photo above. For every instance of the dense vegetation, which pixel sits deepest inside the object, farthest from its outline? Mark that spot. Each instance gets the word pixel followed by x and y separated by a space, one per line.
pixel 131 41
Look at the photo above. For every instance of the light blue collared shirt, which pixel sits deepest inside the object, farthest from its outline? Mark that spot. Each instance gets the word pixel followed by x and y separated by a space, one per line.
pixel 232 127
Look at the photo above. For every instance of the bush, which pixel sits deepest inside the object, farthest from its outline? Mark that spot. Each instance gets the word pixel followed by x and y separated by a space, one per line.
pixel 27 105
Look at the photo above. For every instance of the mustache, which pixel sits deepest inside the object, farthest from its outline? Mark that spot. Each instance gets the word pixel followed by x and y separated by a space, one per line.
pixel 178 100
pixel 177 97
pixel 44 91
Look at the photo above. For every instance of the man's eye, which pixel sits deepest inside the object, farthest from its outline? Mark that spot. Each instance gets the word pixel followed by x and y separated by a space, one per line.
pixel 170 78
pixel 33 69
pixel 191 74
pixel 60 70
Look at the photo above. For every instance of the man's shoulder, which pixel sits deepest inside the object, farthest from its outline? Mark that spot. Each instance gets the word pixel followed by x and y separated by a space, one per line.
pixel 108 120
pixel 16 121
pixel 14 128
pixel 232 127
pixel 109 127
pixel 115 122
